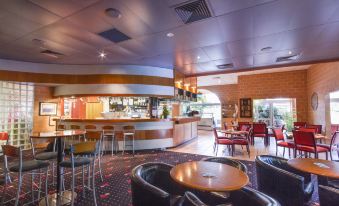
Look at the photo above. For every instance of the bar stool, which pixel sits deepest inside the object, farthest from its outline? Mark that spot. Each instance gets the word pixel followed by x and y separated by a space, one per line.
pixel 128 132
pixel 109 133
pixel 83 154
pixel 41 150
pixel 96 136
pixel 23 167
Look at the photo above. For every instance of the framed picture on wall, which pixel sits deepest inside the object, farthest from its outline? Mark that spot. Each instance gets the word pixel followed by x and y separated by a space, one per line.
pixel 48 109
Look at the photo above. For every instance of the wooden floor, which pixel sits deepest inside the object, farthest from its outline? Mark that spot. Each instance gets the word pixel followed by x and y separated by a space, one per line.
pixel 203 145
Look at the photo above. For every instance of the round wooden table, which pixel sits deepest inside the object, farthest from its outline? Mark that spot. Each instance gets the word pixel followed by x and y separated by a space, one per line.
pixel 234 132
pixel 59 135
pixel 209 176
pixel 316 166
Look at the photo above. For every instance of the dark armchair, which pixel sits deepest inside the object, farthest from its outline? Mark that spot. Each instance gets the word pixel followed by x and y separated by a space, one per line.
pixel 245 196
pixel 328 196
pixel 152 185
pixel 282 182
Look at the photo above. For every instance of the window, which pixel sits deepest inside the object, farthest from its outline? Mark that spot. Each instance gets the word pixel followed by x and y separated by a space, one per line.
pixel 16 111
pixel 334 105
pixel 275 112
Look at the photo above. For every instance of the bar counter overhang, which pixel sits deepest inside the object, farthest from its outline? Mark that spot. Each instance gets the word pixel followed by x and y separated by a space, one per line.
pixel 151 133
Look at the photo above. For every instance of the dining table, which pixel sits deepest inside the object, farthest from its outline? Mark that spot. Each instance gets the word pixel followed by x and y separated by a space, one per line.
pixel 319 167
pixel 209 176
pixel 58 198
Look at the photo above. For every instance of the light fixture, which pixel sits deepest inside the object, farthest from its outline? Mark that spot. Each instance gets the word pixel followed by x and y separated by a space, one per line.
pixel 102 55
pixel 198 57
pixel 111 12
pixel 170 34
pixel 289 52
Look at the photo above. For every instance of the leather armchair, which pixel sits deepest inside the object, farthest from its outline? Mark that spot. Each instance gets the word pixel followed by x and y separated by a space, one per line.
pixel 282 182
pixel 245 196
pixel 328 196
pixel 152 185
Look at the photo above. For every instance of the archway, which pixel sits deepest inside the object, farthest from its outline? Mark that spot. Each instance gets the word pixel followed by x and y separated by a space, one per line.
pixel 209 106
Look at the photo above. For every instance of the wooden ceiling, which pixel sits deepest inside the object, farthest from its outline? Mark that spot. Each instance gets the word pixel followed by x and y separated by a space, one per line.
pixel 236 33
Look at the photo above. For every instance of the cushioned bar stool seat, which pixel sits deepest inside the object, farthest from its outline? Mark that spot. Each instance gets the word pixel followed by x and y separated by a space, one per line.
pixel 46 156
pixel 29 166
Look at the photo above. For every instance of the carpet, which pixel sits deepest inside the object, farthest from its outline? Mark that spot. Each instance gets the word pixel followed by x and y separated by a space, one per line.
pixel 115 189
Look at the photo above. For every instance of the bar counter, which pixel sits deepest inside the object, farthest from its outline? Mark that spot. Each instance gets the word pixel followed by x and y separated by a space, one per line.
pixel 151 133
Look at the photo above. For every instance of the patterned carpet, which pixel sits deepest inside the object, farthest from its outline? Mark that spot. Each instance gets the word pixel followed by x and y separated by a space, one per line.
pixel 115 189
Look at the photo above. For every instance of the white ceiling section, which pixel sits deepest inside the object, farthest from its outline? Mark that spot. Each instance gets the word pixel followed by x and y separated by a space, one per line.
pixel 236 33
pixel 232 78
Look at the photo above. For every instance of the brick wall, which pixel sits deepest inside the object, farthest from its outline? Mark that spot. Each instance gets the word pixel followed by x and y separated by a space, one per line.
pixel 264 86
pixel 322 79
pixel 43 94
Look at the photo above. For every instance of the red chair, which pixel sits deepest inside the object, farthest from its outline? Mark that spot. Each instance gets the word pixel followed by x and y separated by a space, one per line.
pixel 334 128
pixel 304 129
pixel 260 130
pixel 318 128
pixel 242 141
pixel 334 145
pixel 280 141
pixel 4 137
pixel 305 142
pixel 223 140
pixel 297 125
pixel 240 124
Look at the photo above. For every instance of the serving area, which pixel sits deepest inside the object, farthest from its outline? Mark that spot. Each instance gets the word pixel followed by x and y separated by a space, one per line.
pixel 150 133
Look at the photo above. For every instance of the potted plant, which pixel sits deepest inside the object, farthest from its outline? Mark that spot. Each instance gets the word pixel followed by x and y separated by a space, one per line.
pixel 165 112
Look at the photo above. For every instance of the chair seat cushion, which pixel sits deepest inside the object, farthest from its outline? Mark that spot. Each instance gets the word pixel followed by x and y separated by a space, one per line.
pixel 225 141
pixel 46 156
pixel 327 146
pixel 29 166
pixel 311 149
pixel 240 141
pixel 286 144
pixel 77 162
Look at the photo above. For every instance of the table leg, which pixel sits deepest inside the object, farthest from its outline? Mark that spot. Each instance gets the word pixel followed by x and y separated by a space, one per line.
pixel 59 160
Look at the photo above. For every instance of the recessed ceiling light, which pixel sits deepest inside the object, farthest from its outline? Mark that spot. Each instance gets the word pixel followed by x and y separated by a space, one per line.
pixel 111 12
pixel 266 48
pixel 289 52
pixel 102 55
pixel 170 34
pixel 198 57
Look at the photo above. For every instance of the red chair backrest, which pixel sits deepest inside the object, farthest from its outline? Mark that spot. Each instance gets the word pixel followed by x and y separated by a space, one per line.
pixel 215 134
pixel 278 134
pixel 334 128
pixel 259 128
pixel 299 124
pixel 240 124
pixel 4 136
pixel 317 128
pixel 303 129
pixel 245 127
pixel 304 138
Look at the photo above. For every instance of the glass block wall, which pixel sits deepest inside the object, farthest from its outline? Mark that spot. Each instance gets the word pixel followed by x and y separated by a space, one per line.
pixel 16 111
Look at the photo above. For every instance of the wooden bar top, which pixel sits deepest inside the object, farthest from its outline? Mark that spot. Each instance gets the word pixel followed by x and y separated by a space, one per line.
pixel 115 120
pixel 180 120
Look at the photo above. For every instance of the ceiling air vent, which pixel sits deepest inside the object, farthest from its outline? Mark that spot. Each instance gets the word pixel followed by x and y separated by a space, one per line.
pixel 225 66
pixel 193 11
pixel 287 58
pixel 51 53
pixel 114 35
